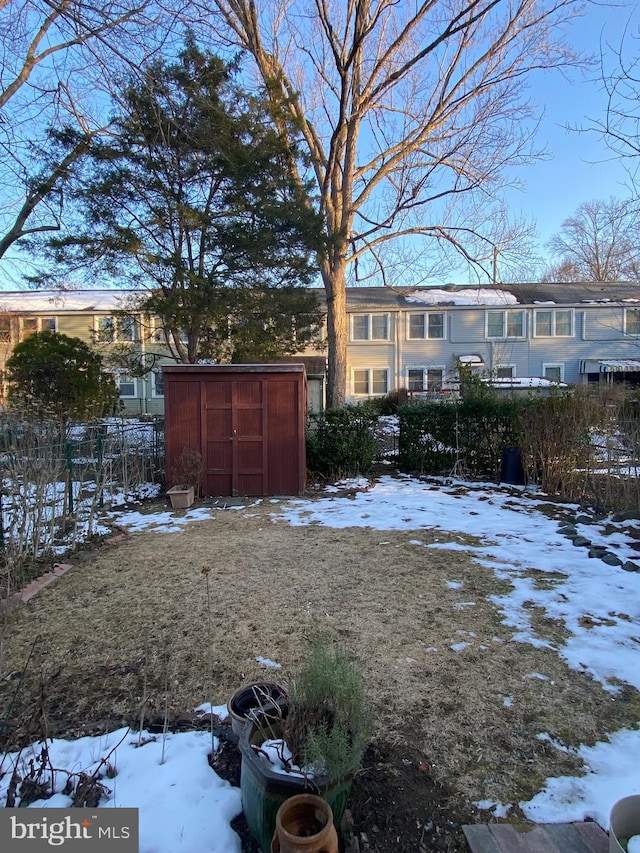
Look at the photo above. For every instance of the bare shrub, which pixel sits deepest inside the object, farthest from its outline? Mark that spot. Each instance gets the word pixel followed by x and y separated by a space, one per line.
pixel 56 480
pixel 583 445
pixel 188 470
pixel 557 443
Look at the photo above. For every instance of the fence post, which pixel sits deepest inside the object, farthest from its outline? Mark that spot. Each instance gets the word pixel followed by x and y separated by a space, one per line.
pixel 158 445
pixel 1 525
pixel 68 452
pixel 99 451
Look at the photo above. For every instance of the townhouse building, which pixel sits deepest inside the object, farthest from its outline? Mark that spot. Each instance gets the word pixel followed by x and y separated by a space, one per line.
pixel 515 335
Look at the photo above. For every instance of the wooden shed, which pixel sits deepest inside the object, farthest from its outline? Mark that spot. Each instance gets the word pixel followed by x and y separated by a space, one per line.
pixel 246 420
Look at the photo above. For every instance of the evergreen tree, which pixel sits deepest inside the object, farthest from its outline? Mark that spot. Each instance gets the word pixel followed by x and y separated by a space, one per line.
pixel 193 200
pixel 51 375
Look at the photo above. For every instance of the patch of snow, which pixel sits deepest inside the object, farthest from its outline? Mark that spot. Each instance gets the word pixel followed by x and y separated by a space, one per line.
pixel 168 780
pixel 613 773
pixel 270 664
pixel 498 809
pixel 461 296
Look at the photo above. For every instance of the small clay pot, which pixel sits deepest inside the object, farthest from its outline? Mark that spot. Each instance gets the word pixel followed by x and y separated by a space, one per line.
pixel 304 824
pixel 262 695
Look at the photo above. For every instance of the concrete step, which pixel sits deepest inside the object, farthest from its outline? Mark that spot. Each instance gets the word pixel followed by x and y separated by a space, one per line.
pixel 543 838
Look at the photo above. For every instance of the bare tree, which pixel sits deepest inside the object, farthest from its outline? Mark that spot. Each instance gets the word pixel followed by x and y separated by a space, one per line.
pixel 620 73
pixel 410 113
pixel 598 243
pixel 563 271
pixel 57 58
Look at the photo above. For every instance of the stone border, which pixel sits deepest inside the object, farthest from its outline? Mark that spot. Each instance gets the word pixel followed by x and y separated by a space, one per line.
pixel 569 529
pixel 34 587
pixel 39 583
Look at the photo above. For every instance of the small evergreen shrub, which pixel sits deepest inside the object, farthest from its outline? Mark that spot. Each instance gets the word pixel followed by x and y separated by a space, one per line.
pixel 488 421
pixel 328 724
pixel 341 442
pixel 427 438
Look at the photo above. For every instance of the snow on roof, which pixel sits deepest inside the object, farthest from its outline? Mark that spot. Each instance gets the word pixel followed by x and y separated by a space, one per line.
pixel 461 296
pixel 521 382
pixel 64 300
pixel 470 359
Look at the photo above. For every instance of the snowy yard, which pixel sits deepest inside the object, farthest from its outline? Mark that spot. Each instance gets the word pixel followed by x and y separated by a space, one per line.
pixel 494 605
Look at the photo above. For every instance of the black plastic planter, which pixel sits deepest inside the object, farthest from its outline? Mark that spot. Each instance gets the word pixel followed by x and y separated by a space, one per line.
pixel 251 699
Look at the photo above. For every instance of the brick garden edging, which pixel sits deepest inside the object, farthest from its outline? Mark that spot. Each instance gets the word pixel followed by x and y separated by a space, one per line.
pixel 34 587
pixel 39 583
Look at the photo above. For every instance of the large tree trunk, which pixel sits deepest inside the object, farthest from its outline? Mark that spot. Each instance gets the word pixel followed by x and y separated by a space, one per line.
pixel 334 278
pixel 439 91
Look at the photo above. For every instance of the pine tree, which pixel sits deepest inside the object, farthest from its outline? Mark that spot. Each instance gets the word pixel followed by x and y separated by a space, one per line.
pixel 193 200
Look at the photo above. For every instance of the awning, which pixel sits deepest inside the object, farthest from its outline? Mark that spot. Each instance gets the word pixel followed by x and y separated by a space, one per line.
pixel 470 359
pixel 610 365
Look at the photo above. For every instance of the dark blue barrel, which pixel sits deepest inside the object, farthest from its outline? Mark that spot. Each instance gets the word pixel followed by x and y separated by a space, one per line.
pixel 512 470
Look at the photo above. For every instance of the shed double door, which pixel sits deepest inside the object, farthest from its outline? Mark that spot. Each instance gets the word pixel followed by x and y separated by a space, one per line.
pixel 247 421
pixel 235 449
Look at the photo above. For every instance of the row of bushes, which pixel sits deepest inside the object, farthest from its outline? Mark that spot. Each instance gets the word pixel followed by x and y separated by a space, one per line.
pixel 467 436
pixel 341 442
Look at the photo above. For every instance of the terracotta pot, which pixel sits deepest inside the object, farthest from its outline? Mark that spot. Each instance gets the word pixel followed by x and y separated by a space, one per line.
pixel 304 824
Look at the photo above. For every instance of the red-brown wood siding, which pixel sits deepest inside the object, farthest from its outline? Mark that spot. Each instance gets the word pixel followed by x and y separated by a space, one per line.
pixel 247 421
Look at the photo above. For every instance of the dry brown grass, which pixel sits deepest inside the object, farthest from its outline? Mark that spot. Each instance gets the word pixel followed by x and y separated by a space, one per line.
pixel 130 620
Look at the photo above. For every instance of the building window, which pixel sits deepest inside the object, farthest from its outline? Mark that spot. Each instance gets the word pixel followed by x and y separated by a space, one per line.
pixel 111 329
pixel 157 335
pixel 371 382
pixel 157 382
pixel 553 323
pixel 553 372
pixel 415 379
pixel 505 324
pixel 5 329
pixel 429 325
pixel 505 371
pixel 632 321
pixel 370 327
pixel 105 329
pixel 127 384
pixel 29 325
pixel 425 378
pixel 126 329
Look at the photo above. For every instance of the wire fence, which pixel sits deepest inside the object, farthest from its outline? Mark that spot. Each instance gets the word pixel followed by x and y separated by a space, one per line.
pixel 56 481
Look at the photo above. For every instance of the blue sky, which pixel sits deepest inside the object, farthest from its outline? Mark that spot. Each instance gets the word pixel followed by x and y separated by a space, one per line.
pixel 580 166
